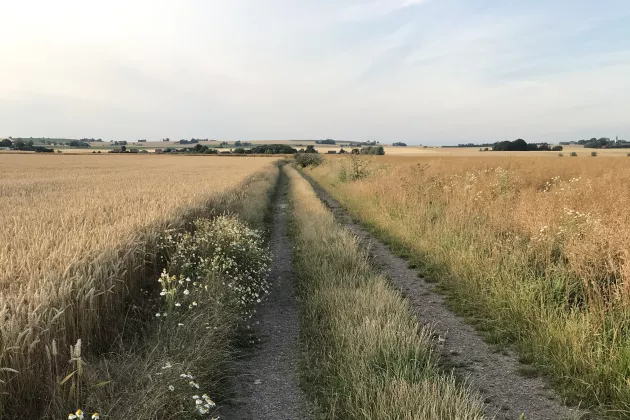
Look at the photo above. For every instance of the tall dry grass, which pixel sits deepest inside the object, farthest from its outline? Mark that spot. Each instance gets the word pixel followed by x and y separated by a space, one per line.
pixel 535 250
pixel 78 239
pixel 366 357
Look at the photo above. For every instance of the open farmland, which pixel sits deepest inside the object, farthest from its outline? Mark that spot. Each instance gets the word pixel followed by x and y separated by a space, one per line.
pixel 535 251
pixel 79 234
pixel 126 290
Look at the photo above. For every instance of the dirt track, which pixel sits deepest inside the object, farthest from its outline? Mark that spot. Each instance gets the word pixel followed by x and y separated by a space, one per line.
pixel 507 393
pixel 267 384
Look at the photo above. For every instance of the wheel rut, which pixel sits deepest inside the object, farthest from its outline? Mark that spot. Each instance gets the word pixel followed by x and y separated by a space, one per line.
pixel 266 385
pixel 507 394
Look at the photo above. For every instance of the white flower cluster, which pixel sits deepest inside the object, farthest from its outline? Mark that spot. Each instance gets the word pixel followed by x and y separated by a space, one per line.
pixel 182 384
pixel 80 415
pixel 223 246
pixel 203 404
pixel 219 252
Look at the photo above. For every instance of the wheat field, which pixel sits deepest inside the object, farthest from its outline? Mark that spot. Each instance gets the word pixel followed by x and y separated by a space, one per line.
pixel 536 250
pixel 77 235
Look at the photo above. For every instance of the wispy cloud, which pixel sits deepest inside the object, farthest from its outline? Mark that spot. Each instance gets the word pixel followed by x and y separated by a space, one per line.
pixel 373 9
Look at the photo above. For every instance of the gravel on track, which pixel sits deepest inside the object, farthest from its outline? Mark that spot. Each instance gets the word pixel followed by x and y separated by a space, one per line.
pixel 267 382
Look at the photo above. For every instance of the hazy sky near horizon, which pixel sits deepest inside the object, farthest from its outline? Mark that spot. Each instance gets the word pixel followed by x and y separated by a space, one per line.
pixel 421 71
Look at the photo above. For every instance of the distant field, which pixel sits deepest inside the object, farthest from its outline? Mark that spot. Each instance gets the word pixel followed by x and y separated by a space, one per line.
pixel 410 150
pixel 474 151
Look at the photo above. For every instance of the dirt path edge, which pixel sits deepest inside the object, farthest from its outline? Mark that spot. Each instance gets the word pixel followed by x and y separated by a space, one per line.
pixel 508 394
pixel 267 385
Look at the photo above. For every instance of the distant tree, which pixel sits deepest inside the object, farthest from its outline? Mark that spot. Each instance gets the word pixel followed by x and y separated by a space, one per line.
pixel 512 146
pixel 123 148
pixel 30 143
pixel 372 150
pixel 310 149
pixel 6 143
pixel 19 144
pixel 273 149
pixel 79 143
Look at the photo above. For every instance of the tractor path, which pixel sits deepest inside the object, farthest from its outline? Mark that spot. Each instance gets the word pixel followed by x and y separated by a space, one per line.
pixel 507 393
pixel 267 382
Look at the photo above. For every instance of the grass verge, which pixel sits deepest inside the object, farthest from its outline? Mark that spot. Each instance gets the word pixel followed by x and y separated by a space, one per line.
pixel 365 355
pixel 531 250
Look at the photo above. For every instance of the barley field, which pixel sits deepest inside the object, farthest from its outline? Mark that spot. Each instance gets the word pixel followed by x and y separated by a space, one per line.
pixel 78 236
pixel 534 250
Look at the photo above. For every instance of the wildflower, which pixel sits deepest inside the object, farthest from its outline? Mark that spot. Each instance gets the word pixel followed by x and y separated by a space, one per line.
pixel 194 304
pixel 193 384
pixel 163 293
pixel 167 365
pixel 79 414
pixel 96 416
pixel 180 325
pixel 171 388
pixel 72 416
pixel 208 400
pixel 178 304
pixel 158 315
pixel 186 292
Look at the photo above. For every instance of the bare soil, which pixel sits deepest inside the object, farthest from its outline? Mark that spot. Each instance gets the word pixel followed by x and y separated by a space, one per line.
pixel 267 382
pixel 507 393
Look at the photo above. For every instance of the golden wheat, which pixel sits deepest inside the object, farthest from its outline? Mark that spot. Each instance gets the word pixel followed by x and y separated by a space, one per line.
pixel 76 234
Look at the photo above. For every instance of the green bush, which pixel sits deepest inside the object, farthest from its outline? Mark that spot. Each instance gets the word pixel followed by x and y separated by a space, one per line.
pixel 372 150
pixel 308 159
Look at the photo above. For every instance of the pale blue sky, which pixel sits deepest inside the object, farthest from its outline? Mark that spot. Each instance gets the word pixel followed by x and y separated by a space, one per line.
pixel 421 71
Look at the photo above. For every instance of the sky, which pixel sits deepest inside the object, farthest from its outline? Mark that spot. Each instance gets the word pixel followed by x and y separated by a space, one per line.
pixel 419 71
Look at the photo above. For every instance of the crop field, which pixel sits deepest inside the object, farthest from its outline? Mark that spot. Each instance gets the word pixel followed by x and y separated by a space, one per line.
pixel 535 251
pixel 132 286
pixel 78 235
